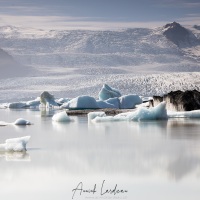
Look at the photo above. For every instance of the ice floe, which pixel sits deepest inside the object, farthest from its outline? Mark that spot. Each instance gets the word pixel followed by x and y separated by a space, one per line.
pixel 157 113
pixel 15 144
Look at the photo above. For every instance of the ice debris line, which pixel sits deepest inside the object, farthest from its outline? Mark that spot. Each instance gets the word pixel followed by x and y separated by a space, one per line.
pixel 15 144
pixel 156 113
pixel 108 98
pixel 20 121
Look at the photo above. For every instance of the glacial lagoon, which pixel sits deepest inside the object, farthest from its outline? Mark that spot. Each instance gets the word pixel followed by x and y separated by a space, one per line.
pixel 143 160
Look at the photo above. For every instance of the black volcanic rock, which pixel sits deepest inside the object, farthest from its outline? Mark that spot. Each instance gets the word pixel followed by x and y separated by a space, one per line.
pixel 179 35
pixel 180 101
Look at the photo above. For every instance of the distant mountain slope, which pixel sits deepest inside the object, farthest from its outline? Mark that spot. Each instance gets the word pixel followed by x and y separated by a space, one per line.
pixel 132 50
pixel 9 67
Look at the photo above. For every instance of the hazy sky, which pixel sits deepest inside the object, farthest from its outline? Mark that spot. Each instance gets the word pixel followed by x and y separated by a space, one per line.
pixel 95 14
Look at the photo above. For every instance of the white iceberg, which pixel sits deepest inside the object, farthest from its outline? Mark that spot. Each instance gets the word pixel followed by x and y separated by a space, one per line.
pixel 81 102
pixel 47 99
pixel 93 115
pixel 61 117
pixel 157 113
pixel 129 101
pixel 108 92
pixel 22 121
pixel 15 144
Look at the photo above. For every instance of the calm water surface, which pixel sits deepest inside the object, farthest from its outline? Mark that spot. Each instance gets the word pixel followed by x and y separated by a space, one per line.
pixel 150 160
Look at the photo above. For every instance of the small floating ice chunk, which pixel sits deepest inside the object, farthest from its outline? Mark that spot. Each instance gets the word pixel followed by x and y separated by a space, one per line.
pixel 109 119
pixel 22 121
pixel 61 117
pixel 129 101
pixel 15 144
pixel 107 92
pixel 81 102
pixel 93 115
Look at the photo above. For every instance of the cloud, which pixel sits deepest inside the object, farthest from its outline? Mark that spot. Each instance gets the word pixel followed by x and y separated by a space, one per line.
pixel 69 22
pixel 191 4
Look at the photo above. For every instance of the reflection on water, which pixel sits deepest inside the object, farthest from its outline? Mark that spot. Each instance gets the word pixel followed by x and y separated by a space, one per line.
pixel 140 155
pixel 15 156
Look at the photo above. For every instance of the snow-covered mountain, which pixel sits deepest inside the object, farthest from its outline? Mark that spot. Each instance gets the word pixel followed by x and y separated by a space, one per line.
pixel 133 48
pixel 69 63
pixel 180 36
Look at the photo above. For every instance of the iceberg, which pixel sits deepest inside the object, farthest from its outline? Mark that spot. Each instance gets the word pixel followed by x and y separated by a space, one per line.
pixel 19 121
pixel 24 104
pixel 81 102
pixel 47 99
pixel 22 121
pixel 107 92
pixel 129 101
pixel 92 115
pixel 156 113
pixel 15 144
pixel 61 117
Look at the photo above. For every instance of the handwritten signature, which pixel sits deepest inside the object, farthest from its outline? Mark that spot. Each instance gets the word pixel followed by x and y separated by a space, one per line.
pixel 114 191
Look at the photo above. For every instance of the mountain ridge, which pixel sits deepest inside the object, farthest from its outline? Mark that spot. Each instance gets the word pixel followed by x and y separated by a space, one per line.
pixel 132 48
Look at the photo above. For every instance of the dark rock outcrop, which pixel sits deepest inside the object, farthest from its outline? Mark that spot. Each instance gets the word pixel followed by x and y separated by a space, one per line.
pixel 179 35
pixel 180 101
